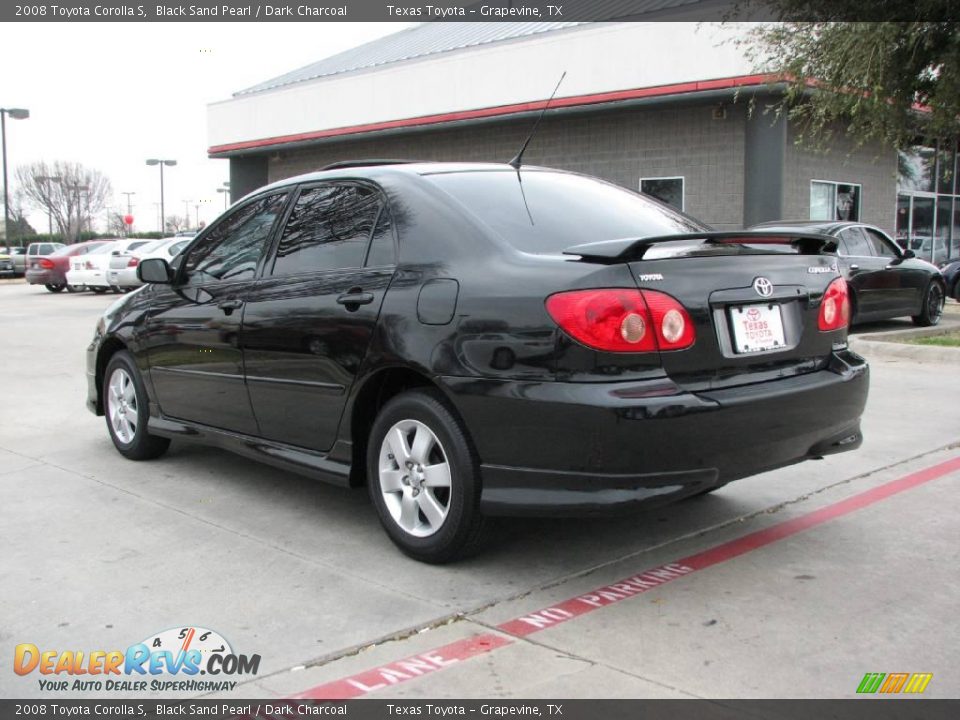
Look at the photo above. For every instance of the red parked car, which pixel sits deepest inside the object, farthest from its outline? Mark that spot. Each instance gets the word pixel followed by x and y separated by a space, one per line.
pixel 51 271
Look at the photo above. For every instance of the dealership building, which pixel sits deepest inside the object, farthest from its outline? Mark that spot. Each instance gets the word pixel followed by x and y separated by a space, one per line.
pixel 674 109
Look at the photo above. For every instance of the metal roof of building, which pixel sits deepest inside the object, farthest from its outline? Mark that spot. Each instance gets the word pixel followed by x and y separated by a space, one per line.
pixel 420 41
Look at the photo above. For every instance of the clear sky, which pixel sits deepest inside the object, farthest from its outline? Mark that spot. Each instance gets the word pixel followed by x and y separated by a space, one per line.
pixel 111 95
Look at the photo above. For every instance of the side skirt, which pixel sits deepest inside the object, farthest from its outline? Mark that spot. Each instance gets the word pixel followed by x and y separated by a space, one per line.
pixel 332 467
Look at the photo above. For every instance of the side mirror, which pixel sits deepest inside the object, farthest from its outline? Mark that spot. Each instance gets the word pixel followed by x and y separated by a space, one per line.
pixel 155 270
pixel 908 254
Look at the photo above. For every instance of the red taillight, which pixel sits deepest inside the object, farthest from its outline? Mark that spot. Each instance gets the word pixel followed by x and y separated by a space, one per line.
pixel 835 307
pixel 46 263
pixel 134 261
pixel 89 265
pixel 622 320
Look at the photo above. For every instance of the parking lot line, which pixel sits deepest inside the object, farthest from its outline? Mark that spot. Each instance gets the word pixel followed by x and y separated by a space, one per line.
pixel 409 668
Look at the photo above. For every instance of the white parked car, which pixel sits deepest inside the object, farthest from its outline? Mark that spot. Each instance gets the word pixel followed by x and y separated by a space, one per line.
pixel 90 271
pixel 123 266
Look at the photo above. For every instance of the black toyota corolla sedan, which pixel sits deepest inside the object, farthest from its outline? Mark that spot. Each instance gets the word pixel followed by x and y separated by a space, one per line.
pixel 884 281
pixel 474 340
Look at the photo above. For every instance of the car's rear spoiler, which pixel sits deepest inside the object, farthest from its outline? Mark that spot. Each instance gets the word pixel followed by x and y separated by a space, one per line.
pixel 624 249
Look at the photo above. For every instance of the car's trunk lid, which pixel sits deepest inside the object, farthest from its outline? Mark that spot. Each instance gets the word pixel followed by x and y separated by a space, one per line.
pixel 754 305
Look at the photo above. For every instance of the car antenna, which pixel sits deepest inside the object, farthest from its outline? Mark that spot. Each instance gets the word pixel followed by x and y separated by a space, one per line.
pixel 518 160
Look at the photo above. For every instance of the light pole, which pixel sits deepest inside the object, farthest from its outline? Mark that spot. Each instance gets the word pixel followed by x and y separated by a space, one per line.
pixel 161 163
pixel 16 114
pixel 80 189
pixel 47 179
pixel 226 194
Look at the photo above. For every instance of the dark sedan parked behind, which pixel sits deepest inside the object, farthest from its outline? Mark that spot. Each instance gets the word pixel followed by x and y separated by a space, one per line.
pixel 885 281
pixel 473 340
pixel 951 276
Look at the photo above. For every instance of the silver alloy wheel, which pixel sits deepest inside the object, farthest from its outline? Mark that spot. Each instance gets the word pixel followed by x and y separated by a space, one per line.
pixel 935 303
pixel 414 475
pixel 122 405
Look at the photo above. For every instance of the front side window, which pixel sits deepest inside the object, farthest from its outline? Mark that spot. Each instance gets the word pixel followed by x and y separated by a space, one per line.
pixel 329 229
pixel 232 249
pixel 881 246
pixel 834 201
pixel 666 190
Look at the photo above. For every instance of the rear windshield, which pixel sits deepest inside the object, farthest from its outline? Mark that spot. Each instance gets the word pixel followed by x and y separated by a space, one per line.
pixel 545 212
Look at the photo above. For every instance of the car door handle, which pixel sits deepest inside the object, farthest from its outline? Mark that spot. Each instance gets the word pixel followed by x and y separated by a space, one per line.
pixel 354 299
pixel 228 306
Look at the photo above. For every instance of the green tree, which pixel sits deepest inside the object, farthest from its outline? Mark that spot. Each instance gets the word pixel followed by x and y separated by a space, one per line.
pixel 877 80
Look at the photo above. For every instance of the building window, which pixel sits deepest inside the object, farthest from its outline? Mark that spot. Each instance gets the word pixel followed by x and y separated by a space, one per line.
pixel 667 190
pixel 834 200
pixel 928 201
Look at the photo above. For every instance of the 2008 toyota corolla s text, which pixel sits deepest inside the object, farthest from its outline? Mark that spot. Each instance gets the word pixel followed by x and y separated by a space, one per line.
pixel 476 340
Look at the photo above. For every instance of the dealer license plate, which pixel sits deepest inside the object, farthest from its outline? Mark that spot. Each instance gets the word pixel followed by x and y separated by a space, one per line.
pixel 757 328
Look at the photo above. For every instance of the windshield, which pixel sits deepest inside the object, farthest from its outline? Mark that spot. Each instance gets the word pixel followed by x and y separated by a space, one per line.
pixel 105 248
pixel 550 211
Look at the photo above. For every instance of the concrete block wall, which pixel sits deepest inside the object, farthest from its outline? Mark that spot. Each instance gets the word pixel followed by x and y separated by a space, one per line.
pixel 619 145
pixel 872 166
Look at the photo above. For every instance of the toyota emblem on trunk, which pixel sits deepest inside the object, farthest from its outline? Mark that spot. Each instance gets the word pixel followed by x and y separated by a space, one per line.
pixel 763 287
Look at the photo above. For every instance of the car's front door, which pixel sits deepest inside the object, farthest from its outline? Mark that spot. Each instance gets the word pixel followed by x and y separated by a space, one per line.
pixel 309 320
pixel 875 289
pixel 193 334
pixel 911 281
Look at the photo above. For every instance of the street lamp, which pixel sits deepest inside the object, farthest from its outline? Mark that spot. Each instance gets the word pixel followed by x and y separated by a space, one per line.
pixel 16 114
pixel 226 194
pixel 47 179
pixel 76 187
pixel 161 163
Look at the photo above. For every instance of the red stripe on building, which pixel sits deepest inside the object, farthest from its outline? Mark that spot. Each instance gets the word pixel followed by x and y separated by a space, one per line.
pixel 498 111
pixel 432 661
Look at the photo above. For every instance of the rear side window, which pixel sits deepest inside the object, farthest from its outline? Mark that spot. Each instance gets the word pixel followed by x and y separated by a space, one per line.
pixel 382 251
pixel 329 229
pixel 546 212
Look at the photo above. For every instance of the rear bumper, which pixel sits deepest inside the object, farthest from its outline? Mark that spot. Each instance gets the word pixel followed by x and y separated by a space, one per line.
pixel 124 278
pixel 45 277
pixel 599 448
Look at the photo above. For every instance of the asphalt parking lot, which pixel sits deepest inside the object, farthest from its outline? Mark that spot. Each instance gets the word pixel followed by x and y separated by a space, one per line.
pixel 791 584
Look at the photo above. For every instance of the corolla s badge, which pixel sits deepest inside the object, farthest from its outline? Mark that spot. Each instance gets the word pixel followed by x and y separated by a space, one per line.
pixel 763 287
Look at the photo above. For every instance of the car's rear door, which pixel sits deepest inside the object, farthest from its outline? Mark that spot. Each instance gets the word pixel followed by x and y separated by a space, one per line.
pixel 193 331
pixel 309 320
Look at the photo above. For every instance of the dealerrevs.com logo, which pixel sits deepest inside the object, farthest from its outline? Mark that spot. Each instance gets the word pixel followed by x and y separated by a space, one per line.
pixel 169 661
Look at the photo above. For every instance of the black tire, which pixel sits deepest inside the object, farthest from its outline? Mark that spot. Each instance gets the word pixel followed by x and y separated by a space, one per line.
pixel 55 288
pixel 956 290
pixel 459 533
pixel 74 288
pixel 116 290
pixel 99 290
pixel 140 445
pixel 932 309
